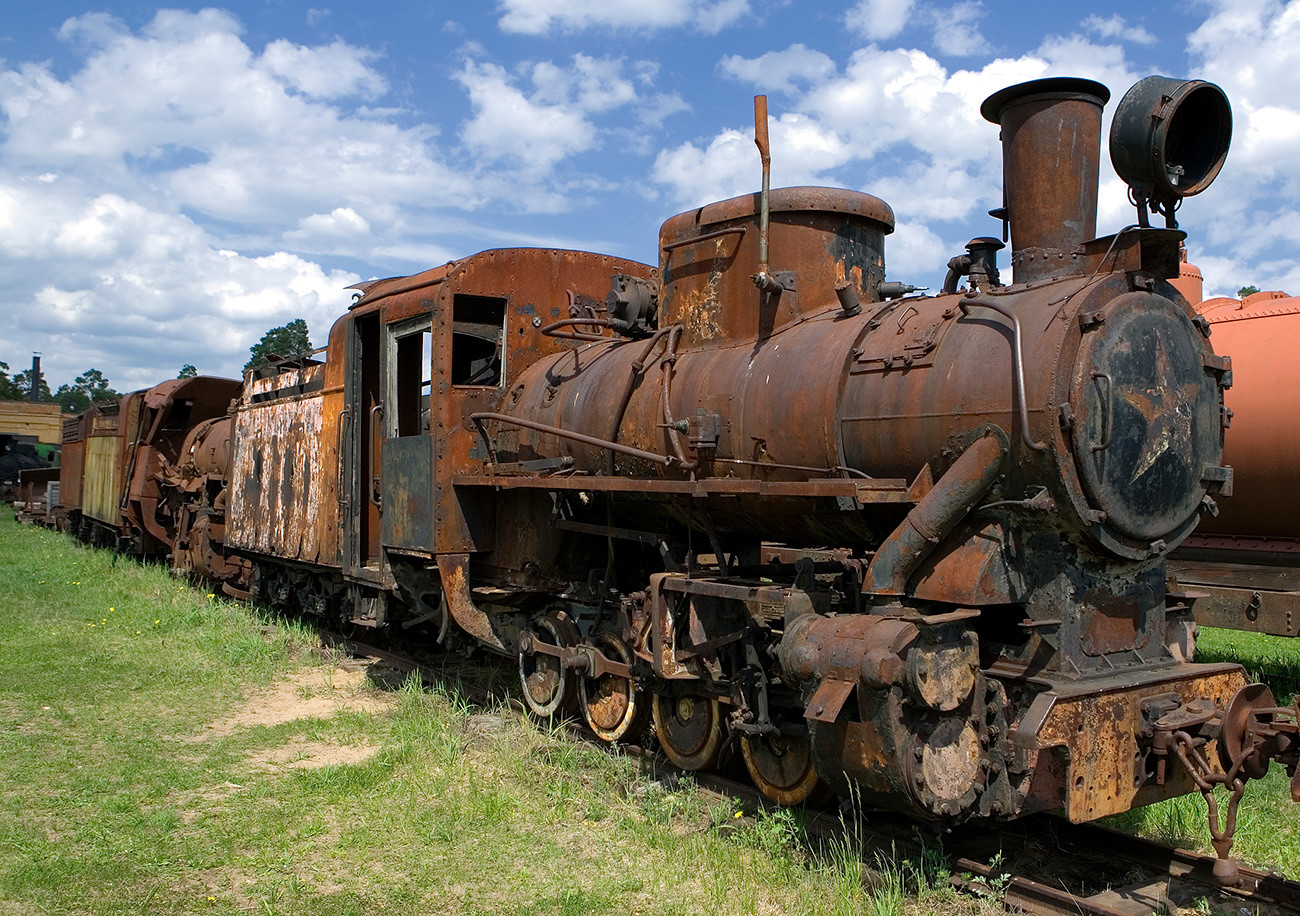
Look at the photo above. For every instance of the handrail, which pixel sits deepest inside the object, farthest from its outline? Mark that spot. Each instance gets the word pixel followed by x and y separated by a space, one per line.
pixel 376 413
pixel 719 233
pixel 480 418
pixel 1017 364
pixel 344 498
pixel 550 329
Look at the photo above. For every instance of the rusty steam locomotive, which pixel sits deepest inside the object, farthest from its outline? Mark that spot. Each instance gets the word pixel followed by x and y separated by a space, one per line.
pixel 760 499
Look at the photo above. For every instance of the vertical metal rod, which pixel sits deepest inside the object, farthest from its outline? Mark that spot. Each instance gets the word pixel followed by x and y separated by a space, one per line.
pixel 765 153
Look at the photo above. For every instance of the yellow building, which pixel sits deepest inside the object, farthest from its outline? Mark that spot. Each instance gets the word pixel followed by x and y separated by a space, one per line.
pixel 23 418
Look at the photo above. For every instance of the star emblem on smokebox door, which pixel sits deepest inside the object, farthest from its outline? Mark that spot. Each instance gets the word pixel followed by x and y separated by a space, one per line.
pixel 1168 413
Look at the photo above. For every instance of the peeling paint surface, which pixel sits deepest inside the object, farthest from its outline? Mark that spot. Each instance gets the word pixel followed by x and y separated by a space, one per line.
pixel 284 475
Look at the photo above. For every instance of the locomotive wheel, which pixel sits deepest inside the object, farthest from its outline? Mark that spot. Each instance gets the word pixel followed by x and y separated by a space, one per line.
pixel 781 767
pixel 549 689
pixel 689 729
pixel 612 705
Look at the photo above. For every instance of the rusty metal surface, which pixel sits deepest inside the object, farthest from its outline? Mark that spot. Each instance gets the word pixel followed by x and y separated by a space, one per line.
pixel 31 505
pixel 689 728
pixel 781 767
pixel 1249 608
pixel 934 517
pixel 453 571
pixel 538 286
pixel 1052 210
pixel 1100 722
pixel 72 461
pixel 1242 596
pixel 1246 557
pixel 197 485
pixel 1147 448
pixel 407 468
pixel 708 289
pixel 883 745
pixel 284 473
pixel 168 413
pixel 912 549
pixel 777 409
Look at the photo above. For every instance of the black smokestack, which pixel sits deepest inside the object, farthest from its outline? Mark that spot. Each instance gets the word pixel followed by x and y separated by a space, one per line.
pixel 36 378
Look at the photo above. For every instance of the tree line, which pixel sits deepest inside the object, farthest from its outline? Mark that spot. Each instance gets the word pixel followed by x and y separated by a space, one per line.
pixel 91 387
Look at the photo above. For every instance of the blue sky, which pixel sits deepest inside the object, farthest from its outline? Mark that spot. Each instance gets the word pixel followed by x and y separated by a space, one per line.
pixel 175 181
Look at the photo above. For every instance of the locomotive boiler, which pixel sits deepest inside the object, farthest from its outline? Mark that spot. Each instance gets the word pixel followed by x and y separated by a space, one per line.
pixel 763 501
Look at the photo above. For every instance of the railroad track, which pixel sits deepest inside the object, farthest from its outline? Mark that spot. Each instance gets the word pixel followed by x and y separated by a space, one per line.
pixel 1038 865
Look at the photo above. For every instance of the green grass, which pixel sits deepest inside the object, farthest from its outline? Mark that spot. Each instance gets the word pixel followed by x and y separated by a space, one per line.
pixel 1275 660
pixel 143 776
pixel 1268 830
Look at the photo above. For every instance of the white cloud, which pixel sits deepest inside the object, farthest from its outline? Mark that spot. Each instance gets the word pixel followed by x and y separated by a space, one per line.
pixel 894 122
pixel 913 252
pixel 594 85
pixel 230 134
pixel 1073 55
pixel 524 126
pixel 341 231
pixel 656 109
pixel 879 20
pixel 881 101
pixel 508 125
pixel 780 70
pixel 334 71
pixel 1262 84
pixel 1252 50
pixel 134 291
pixel 537 17
pixel 729 164
pixel 695 176
pixel 956 29
pixel 711 19
pixel 158 195
pixel 1116 26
